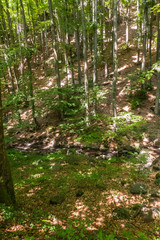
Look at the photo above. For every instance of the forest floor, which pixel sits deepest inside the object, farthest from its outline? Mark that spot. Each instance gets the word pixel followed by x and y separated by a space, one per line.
pixel 65 191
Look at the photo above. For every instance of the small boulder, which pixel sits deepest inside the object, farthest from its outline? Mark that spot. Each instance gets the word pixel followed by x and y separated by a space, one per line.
pixel 120 213
pixel 157 182
pixel 79 193
pixel 58 199
pixel 155 193
pixel 138 188
pixel 156 168
pixel 149 214
pixel 55 168
pixel 158 175
pixel 156 161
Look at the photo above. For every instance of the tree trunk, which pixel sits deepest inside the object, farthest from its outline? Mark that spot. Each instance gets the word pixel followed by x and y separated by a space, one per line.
pixel 32 102
pixel 85 64
pixel 150 35
pixel 138 31
pixel 77 44
pixel 144 39
pixel 127 23
pixel 7 194
pixel 115 59
pixel 95 75
pixel 158 75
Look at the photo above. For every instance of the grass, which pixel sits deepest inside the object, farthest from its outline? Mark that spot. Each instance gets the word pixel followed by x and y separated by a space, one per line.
pixel 104 185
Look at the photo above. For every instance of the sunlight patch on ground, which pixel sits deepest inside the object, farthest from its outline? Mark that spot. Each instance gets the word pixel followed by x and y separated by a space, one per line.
pixel 135 58
pixel 16 228
pixel 80 209
pixel 33 191
pixel 126 108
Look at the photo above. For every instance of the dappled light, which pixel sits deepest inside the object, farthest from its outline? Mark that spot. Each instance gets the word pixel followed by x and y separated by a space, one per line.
pixel 79 120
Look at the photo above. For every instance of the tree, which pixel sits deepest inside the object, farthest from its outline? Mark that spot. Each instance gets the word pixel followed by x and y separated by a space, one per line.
pixel 115 59
pixel 158 74
pixel 144 36
pixel 7 195
pixel 85 64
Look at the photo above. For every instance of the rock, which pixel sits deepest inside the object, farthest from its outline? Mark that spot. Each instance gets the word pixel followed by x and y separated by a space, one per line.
pixel 55 168
pixel 157 182
pixel 79 193
pixel 156 168
pixel 120 213
pixel 156 161
pixel 126 150
pixel 138 188
pixel 58 199
pixel 158 176
pixel 155 193
pixel 137 206
pixel 149 214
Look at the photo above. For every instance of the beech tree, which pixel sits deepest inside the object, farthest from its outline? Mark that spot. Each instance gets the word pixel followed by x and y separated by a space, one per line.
pixel 115 58
pixel 7 195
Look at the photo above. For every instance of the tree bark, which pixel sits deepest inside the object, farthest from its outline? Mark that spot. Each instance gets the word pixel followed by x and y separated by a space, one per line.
pixel 115 59
pixel 85 64
pixel 7 194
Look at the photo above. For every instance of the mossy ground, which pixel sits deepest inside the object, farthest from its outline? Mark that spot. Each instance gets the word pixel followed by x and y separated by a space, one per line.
pixel 104 184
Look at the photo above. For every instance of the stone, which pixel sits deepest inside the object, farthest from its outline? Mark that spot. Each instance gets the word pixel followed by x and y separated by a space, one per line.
pixel 120 213
pixel 150 214
pixel 58 199
pixel 157 182
pixel 156 161
pixel 155 193
pixel 79 193
pixel 138 188
pixel 156 168
pixel 55 168
pixel 158 176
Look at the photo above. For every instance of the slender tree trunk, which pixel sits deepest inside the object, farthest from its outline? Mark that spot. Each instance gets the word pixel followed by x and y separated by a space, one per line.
pixel 95 75
pixel 158 75
pixel 55 52
pixel 150 36
pixel 144 39
pixel 85 64
pixel 7 195
pixel 32 102
pixel 115 58
pixel 138 31
pixel 78 44
pixel 127 23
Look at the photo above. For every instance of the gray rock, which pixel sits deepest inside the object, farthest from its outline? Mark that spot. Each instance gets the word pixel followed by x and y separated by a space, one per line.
pixel 120 213
pixel 149 214
pixel 138 188
pixel 58 199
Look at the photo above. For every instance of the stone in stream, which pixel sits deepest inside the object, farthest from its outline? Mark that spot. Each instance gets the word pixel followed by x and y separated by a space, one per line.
pixel 120 213
pixel 138 188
